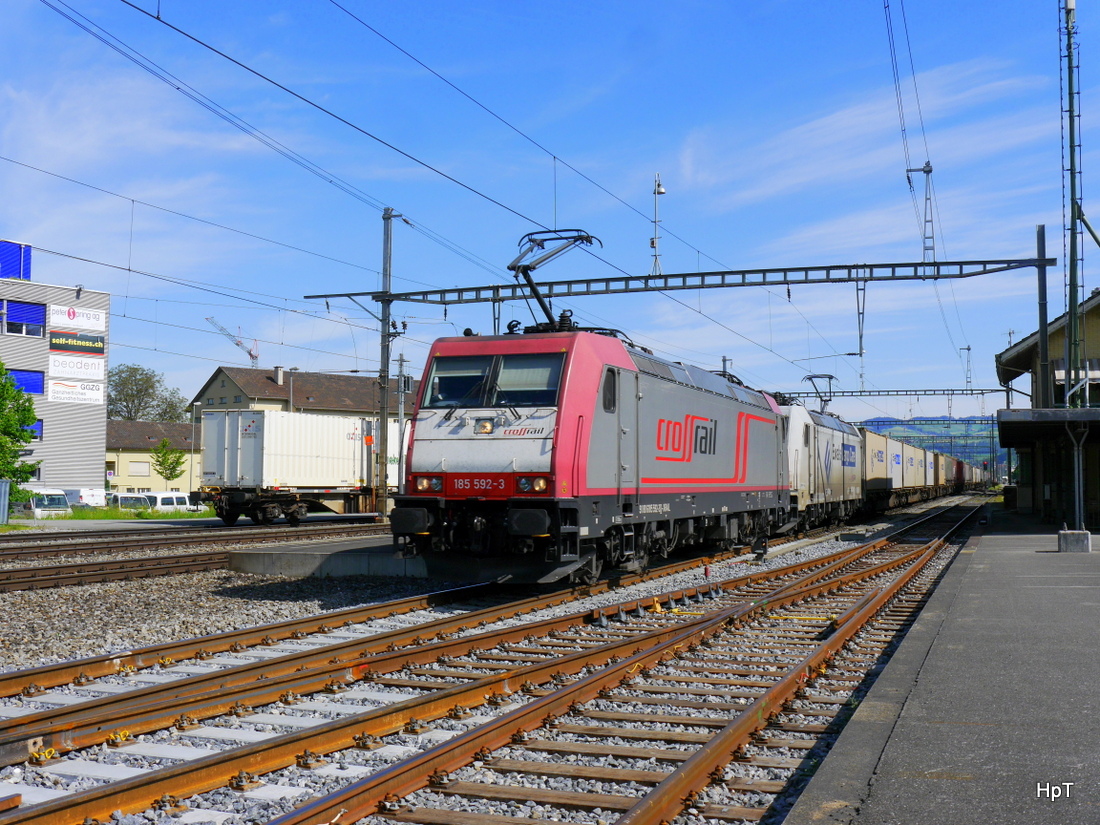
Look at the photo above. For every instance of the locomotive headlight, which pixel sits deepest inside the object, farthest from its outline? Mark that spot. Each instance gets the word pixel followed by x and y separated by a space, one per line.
pixel 483 426
pixel 536 484
pixel 425 484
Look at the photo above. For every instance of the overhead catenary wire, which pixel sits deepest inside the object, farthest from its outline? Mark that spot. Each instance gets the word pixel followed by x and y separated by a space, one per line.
pixel 428 166
pixel 556 159
pixel 352 125
pixel 179 214
pixel 899 98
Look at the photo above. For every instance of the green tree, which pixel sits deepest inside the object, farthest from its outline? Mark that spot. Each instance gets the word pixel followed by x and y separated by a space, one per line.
pixel 139 394
pixel 167 461
pixel 17 416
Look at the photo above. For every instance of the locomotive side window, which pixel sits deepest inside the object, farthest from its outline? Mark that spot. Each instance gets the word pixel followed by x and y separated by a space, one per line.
pixel 458 379
pixel 609 391
pixel 528 380
pixel 806 435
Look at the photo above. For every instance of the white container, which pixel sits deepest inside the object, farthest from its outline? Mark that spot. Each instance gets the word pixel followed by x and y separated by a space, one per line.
pixel 270 449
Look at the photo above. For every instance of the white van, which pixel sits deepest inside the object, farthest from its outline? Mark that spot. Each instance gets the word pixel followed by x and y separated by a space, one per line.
pixel 47 502
pixel 128 501
pixel 87 497
pixel 167 502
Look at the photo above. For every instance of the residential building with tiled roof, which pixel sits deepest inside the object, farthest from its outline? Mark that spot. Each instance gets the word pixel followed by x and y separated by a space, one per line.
pixel 130 446
pixel 242 388
pixel 288 390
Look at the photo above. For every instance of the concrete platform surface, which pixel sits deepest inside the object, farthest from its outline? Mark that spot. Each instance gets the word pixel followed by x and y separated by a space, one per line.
pixel 988 711
pixel 352 557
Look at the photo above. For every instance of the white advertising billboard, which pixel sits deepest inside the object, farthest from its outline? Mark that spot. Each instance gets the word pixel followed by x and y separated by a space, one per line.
pixel 70 318
pixel 77 366
pixel 75 392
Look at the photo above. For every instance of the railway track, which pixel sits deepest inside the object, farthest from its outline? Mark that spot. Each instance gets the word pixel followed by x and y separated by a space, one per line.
pixel 60 575
pixel 388 689
pixel 76 543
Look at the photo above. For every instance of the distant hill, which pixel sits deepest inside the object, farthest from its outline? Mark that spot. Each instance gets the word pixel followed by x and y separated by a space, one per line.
pixel 970 438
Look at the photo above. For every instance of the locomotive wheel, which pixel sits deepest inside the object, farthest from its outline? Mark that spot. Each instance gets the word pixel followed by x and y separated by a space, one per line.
pixel 229 518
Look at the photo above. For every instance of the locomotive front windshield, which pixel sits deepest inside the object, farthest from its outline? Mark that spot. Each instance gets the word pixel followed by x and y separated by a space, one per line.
pixel 529 380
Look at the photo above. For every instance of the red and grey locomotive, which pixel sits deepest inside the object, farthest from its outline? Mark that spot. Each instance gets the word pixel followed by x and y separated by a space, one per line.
pixel 560 454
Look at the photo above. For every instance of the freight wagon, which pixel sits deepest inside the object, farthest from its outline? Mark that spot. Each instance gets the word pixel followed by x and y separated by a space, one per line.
pixel 266 464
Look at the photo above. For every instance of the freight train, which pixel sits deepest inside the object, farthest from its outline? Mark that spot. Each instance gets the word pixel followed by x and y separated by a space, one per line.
pixel 568 454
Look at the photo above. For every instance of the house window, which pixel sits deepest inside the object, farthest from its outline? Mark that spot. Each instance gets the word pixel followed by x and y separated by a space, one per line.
pixel 29 381
pixel 209 401
pixel 36 430
pixel 237 399
pixel 223 382
pixel 139 468
pixel 221 400
pixel 25 319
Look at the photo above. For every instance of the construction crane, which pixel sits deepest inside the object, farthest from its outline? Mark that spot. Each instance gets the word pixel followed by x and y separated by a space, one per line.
pixel 253 351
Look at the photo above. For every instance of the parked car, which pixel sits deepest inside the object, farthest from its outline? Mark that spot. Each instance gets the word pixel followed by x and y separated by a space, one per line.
pixel 128 501
pixel 47 502
pixel 168 502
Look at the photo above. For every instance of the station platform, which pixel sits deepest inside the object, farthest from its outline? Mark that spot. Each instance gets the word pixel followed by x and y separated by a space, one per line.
pixel 989 710
pixel 355 557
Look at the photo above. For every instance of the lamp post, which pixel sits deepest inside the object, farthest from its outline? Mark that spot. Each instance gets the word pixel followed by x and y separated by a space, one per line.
pixel 196 406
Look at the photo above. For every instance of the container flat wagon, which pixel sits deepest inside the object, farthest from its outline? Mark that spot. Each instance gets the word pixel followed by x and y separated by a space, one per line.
pixel 268 464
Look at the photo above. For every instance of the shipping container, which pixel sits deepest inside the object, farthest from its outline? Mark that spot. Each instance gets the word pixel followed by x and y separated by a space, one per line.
pixel 876 464
pixel 912 474
pixel 267 463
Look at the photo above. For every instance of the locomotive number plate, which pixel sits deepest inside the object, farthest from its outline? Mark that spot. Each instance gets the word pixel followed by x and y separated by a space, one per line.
pixel 481 484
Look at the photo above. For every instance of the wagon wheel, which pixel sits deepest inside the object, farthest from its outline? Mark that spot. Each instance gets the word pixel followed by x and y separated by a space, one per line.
pixel 229 517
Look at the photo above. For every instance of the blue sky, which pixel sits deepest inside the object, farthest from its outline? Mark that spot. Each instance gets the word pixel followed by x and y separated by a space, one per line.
pixel 773 125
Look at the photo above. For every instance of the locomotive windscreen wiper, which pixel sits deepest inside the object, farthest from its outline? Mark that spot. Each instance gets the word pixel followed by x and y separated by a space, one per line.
pixel 471 392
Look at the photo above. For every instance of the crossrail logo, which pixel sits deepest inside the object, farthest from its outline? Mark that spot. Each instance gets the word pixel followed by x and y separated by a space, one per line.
pixel 695 435
pixel 683 440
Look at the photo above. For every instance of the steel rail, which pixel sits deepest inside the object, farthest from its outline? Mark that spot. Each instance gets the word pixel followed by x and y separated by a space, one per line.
pixel 213 771
pixel 49 535
pixel 171 538
pixel 673 794
pixel 60 673
pixel 58 575
pixel 157 706
pixel 32 680
pixel 295 672
pixel 364 797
